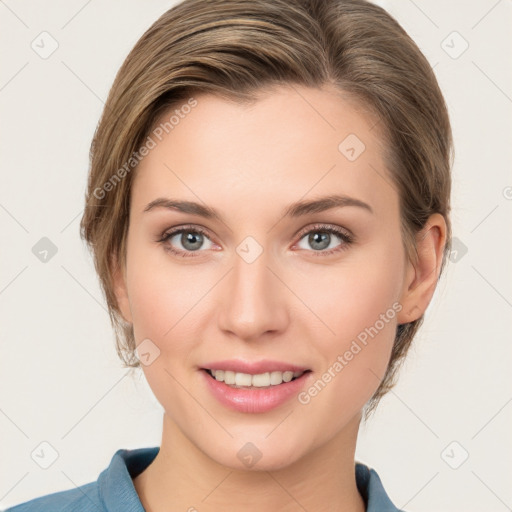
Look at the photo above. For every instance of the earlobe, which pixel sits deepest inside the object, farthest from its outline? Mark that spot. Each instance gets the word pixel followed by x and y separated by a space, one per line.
pixel 120 290
pixel 421 278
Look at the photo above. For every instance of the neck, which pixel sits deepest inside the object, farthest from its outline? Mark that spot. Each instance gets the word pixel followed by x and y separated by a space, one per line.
pixel 182 477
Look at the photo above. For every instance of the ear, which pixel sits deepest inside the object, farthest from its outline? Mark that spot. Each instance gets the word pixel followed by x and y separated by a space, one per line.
pixel 421 278
pixel 120 289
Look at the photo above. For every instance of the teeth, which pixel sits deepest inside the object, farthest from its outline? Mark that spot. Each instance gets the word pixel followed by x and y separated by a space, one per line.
pixel 261 380
pixel 243 379
pixel 229 377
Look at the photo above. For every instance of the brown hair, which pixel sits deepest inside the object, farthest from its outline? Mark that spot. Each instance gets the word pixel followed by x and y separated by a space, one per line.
pixel 237 48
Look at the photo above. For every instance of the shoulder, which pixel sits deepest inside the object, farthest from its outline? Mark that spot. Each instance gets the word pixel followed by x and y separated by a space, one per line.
pixel 113 491
pixel 84 498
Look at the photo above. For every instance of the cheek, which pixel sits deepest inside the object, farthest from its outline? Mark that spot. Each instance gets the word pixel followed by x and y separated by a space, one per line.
pixel 354 360
pixel 355 323
pixel 162 293
pixel 351 295
pixel 162 298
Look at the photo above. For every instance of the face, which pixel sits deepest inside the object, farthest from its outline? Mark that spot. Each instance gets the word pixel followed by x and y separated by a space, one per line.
pixel 294 288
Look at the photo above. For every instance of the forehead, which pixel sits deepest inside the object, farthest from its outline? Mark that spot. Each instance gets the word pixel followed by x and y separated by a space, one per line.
pixel 292 142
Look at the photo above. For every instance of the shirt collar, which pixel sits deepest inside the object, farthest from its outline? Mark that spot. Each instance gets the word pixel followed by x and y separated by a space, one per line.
pixel 115 482
pixel 371 489
pixel 119 495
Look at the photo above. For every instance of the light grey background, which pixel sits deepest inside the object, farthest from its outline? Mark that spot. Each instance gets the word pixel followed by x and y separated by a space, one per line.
pixel 60 379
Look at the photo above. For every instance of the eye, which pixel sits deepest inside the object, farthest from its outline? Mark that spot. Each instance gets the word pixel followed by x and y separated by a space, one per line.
pixel 190 238
pixel 320 237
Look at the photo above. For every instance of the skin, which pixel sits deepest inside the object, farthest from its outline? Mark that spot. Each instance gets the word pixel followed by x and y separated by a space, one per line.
pixel 291 304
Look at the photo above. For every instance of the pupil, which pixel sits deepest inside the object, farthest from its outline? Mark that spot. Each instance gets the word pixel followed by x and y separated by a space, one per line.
pixel 191 238
pixel 322 239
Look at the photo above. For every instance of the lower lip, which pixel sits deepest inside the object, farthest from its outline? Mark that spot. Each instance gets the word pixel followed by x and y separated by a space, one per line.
pixel 255 400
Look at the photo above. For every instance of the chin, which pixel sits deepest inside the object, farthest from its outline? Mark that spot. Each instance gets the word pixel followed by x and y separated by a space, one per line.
pixel 255 453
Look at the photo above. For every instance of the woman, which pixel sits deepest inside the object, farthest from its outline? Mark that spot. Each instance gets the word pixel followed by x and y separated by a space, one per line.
pixel 268 211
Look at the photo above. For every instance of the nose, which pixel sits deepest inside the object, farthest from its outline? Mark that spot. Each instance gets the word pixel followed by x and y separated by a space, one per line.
pixel 253 301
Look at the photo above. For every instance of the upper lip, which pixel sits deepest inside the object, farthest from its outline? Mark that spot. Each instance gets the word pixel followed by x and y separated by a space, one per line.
pixel 253 367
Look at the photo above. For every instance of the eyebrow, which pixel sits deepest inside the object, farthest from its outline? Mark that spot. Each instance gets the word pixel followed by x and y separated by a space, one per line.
pixel 298 209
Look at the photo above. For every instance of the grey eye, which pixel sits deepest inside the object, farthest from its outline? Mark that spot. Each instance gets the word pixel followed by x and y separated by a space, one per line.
pixel 319 240
pixel 190 240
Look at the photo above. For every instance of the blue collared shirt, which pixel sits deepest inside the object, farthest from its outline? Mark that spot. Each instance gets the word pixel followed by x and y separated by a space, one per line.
pixel 114 490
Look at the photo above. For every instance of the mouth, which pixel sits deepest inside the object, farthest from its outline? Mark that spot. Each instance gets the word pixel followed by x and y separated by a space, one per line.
pixel 254 386
pixel 239 380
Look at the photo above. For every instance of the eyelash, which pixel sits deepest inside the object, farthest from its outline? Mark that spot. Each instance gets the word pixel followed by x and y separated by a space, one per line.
pixel 323 228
